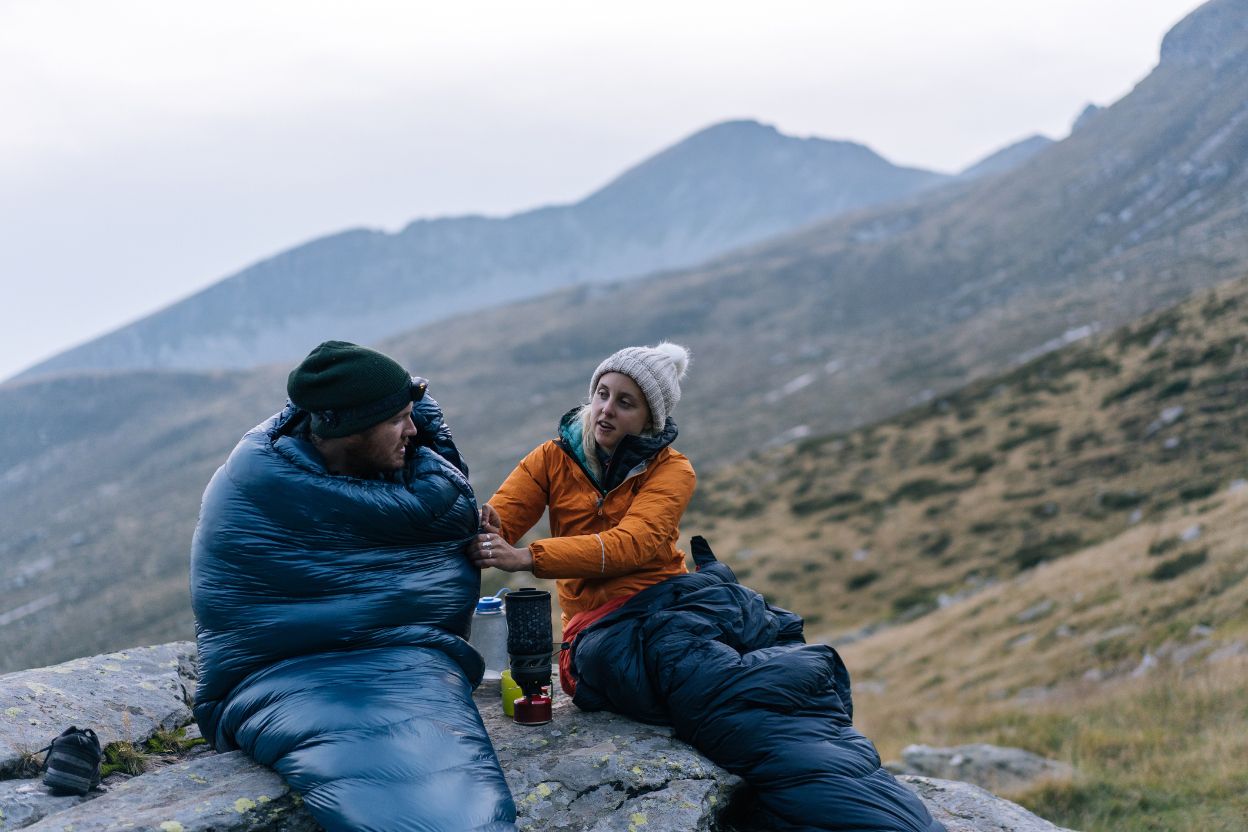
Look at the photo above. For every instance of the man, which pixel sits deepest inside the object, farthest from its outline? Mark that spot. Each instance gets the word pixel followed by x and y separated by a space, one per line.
pixel 332 597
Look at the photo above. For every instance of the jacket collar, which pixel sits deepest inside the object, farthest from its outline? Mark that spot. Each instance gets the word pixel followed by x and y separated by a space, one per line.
pixel 633 450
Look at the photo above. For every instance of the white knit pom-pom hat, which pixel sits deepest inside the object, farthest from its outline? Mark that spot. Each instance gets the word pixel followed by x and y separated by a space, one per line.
pixel 657 371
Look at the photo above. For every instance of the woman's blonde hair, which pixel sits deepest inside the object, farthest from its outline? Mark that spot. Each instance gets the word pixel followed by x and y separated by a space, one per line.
pixel 589 447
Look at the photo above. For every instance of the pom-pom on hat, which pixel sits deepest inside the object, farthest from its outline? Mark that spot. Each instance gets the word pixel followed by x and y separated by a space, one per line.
pixel 657 371
pixel 348 388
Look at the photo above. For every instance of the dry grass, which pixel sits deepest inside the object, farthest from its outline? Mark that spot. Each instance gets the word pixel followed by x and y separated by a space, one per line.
pixel 1097 612
pixel 1161 748
pixel 1164 752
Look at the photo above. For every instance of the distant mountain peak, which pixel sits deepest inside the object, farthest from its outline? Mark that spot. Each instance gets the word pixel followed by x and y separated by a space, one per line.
pixel 1210 36
pixel 739 126
pixel 1085 115
pixel 750 134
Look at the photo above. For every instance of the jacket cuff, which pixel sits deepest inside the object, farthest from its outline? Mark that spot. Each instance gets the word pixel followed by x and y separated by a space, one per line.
pixel 538 551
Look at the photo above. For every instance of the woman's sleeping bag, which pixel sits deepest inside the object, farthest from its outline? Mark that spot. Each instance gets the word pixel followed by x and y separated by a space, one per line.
pixel 733 677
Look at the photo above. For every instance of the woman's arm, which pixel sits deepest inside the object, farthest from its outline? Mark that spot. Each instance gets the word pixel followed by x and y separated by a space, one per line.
pixel 511 512
pixel 523 496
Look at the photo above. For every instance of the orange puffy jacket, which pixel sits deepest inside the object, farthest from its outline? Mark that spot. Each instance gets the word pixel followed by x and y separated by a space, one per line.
pixel 604 544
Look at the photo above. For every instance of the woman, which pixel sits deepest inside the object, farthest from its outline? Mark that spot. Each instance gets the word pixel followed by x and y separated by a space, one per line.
pixel 731 674
pixel 615 488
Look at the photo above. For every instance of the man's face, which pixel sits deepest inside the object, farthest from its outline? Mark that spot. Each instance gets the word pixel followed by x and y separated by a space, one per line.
pixel 382 448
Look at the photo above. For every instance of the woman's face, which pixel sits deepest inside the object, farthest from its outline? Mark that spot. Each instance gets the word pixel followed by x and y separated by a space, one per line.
pixel 617 409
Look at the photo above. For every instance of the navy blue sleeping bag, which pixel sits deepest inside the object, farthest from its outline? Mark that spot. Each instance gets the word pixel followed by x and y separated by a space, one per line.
pixel 733 677
pixel 331 614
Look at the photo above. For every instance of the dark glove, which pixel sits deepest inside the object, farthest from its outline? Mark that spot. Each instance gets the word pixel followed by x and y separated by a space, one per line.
pixel 427 416
pixel 701 551
pixel 432 431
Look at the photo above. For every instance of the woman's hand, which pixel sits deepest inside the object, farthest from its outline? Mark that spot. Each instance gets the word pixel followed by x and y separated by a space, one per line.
pixel 490 520
pixel 488 549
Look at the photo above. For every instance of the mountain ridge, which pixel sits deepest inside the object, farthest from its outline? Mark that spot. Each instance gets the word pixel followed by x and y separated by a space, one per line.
pixel 723 187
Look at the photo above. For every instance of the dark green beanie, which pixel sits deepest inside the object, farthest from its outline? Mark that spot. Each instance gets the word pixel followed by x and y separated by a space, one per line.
pixel 348 388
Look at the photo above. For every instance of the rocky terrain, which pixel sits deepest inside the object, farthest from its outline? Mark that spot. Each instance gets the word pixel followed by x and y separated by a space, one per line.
pixel 582 771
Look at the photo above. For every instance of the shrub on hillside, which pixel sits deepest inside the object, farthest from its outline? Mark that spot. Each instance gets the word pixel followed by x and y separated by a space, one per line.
pixel 862 579
pixel 1079 441
pixel 1168 570
pixel 1031 432
pixel 915 602
pixel 820 502
pixel 934 544
pixel 1146 332
pixel 945 447
pixel 977 462
pixel 1216 307
pixel 1175 388
pixel 1052 547
pixel 1024 494
pixel 1160 547
pixel 1120 500
pixel 1141 383
pixel 923 488
pixel 1199 491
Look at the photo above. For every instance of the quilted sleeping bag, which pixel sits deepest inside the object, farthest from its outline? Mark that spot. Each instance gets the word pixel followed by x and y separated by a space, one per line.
pixel 733 677
pixel 331 614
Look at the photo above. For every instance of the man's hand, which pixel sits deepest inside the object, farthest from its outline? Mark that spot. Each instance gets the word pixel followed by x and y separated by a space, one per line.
pixel 490 521
pixel 488 549
pixel 427 416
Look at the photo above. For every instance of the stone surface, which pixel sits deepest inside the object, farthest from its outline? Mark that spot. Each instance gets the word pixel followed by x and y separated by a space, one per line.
pixel 213 793
pixel 23 802
pixel 600 771
pixel 583 771
pixel 123 696
pixel 989 766
pixel 963 807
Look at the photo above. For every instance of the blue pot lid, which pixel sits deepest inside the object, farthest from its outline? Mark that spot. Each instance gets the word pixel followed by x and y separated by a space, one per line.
pixel 490 604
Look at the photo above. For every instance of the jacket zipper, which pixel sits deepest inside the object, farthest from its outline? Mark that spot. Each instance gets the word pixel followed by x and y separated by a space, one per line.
pixel 602 494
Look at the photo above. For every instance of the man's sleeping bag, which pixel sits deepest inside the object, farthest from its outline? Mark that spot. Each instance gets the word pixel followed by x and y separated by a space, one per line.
pixel 733 677
pixel 331 614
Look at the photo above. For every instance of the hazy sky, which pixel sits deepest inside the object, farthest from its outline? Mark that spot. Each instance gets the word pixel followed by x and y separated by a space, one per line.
pixel 148 149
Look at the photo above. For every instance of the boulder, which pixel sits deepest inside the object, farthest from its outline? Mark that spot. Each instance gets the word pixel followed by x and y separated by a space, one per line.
pixel 989 766
pixel 582 771
pixel 25 801
pixel 213 792
pixel 963 807
pixel 125 696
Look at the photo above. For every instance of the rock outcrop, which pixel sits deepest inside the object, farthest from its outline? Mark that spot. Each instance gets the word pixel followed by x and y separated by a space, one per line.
pixel 1210 36
pixel 582 771
pixel 988 766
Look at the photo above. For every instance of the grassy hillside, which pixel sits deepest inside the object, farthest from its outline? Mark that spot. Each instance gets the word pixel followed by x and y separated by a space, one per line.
pixel 98 501
pixel 970 489
pixel 1128 660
